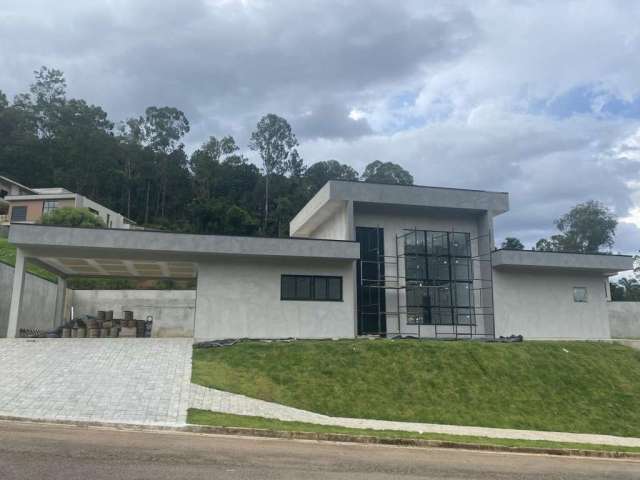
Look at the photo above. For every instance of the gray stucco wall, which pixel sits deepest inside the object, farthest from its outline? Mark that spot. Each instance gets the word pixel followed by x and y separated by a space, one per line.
pixel 38 301
pixel 539 304
pixel 624 319
pixel 173 311
pixel 240 297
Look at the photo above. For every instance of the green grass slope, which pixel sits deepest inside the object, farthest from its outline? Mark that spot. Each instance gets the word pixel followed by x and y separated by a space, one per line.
pixel 8 256
pixel 586 387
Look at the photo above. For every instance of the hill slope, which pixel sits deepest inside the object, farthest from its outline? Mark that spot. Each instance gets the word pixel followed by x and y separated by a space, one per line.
pixel 585 387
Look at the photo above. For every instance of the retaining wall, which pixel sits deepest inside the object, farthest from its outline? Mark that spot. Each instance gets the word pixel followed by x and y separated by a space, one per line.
pixel 624 319
pixel 38 301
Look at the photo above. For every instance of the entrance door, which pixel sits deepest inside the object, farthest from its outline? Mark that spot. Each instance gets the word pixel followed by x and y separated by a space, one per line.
pixel 371 295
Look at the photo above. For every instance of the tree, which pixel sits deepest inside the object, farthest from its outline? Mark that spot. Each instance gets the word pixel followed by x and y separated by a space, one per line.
pixel 512 243
pixel 72 217
pixel 387 172
pixel 321 172
pixel 276 143
pixel 544 245
pixel 205 163
pixel 586 228
pixel 631 289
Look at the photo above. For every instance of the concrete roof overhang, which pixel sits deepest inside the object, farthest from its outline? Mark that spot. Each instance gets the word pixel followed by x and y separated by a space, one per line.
pixel 559 261
pixel 149 254
pixel 41 196
pixel 334 194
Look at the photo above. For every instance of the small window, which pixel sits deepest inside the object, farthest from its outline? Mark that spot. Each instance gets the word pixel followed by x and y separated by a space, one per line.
pixel 49 206
pixel 93 210
pixel 3 193
pixel 19 214
pixel 580 294
pixel 311 287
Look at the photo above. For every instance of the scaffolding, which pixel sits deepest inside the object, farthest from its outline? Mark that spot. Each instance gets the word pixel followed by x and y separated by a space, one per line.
pixel 455 291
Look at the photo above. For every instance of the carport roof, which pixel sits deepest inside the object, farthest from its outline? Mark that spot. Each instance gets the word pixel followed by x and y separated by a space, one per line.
pixel 71 251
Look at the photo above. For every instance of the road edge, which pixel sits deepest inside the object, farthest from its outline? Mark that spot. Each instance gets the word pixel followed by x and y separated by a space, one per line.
pixel 326 437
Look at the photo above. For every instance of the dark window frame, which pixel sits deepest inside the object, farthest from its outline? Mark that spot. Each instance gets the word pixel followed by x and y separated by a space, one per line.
pixel 312 297
pixel 49 206
pixel 20 208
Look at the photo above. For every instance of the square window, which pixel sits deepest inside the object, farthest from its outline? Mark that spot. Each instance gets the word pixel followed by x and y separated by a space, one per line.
pixel 460 245
pixel 463 294
pixel 19 214
pixel 580 294
pixel 461 268
pixel 437 243
pixel 49 206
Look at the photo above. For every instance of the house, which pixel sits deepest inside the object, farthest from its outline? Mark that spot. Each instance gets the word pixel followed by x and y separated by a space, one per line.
pixel 9 187
pixel 362 259
pixel 27 205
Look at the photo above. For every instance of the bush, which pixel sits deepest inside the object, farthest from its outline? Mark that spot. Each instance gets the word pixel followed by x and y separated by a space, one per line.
pixel 73 217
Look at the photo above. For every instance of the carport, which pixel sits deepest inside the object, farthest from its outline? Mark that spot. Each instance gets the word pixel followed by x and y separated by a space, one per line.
pixel 240 292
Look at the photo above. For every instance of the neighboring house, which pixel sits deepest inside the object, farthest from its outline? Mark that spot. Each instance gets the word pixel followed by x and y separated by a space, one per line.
pixel 363 259
pixel 9 187
pixel 28 205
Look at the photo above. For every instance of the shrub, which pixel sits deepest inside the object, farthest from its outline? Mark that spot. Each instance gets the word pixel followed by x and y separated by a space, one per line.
pixel 73 217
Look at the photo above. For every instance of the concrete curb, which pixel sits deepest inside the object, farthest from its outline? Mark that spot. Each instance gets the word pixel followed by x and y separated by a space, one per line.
pixel 329 437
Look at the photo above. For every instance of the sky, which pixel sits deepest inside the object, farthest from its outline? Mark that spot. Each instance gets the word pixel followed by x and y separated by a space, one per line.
pixel 537 98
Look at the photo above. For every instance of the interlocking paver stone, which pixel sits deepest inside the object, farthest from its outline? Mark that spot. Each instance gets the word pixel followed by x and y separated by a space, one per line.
pixel 139 380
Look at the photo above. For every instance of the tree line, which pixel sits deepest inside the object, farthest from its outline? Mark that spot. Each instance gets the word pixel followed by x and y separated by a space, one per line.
pixel 139 166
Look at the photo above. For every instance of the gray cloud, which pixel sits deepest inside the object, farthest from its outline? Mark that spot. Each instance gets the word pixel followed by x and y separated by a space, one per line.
pixel 479 75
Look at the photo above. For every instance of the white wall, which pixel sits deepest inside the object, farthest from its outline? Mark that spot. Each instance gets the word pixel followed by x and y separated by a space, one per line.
pixel 624 319
pixel 240 297
pixel 538 304
pixel 111 219
pixel 173 311
pixel 338 226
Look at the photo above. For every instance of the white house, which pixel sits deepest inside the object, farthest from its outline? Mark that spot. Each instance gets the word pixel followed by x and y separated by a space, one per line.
pixel 363 259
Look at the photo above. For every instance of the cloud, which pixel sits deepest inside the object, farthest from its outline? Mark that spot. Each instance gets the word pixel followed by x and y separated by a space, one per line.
pixel 541 99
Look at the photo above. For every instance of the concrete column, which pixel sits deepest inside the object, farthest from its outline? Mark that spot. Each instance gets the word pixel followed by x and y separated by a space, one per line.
pixel 16 294
pixel 61 295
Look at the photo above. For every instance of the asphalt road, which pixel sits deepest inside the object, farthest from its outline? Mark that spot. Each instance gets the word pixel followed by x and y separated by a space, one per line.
pixel 32 451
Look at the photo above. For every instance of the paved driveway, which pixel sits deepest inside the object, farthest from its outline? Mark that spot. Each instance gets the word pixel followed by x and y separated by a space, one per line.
pixel 143 381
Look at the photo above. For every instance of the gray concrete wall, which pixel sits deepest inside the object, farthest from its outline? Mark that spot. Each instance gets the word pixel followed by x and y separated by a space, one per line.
pixel 38 301
pixel 173 311
pixel 339 226
pixel 539 304
pixel 240 297
pixel 624 319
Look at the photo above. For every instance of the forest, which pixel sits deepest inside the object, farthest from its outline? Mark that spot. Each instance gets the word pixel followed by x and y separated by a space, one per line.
pixel 140 168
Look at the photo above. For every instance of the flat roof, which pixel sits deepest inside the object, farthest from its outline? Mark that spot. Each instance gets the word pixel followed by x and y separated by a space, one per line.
pixel 561 261
pixel 142 253
pixel 336 192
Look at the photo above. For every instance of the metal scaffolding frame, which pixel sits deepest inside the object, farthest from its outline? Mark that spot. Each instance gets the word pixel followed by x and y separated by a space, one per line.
pixel 394 313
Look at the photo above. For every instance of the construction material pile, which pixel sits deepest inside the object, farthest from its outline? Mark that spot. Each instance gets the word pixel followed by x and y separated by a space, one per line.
pixel 104 326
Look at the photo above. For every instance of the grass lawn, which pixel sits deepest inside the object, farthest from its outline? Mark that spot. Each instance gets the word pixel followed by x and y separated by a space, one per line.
pixel 8 256
pixel 202 417
pixel 586 387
